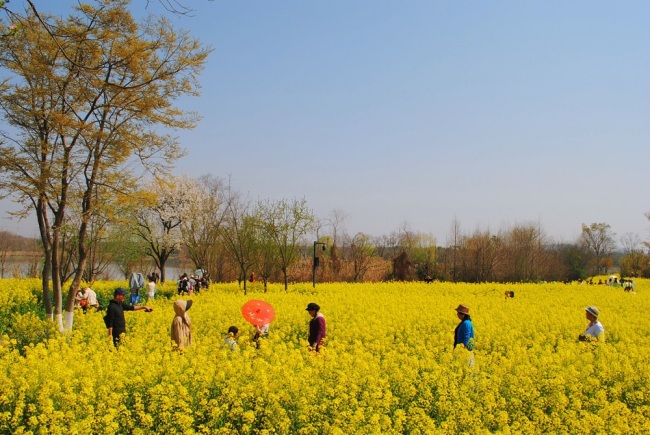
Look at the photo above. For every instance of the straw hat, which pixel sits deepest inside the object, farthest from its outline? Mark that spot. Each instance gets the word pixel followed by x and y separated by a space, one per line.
pixel 462 309
pixel 593 311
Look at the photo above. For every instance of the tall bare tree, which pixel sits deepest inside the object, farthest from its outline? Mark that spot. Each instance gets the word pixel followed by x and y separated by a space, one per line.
pixel 631 242
pixel 239 233
pixel 361 252
pixel 523 253
pixel 599 238
pixel 480 254
pixel 287 223
pixel 453 245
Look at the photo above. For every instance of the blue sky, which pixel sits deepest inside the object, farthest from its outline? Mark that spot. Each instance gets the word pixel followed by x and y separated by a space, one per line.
pixel 495 112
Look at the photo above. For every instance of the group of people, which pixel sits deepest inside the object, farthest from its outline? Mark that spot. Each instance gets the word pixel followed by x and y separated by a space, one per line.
pixel 614 281
pixel 181 329
pixel 191 284
pixel 464 332
pixel 315 337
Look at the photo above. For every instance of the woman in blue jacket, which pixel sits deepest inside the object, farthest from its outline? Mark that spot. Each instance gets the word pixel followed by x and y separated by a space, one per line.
pixel 464 332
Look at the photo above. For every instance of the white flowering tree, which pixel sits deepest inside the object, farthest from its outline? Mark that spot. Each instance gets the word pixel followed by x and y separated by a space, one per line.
pixel 165 206
pixel 201 225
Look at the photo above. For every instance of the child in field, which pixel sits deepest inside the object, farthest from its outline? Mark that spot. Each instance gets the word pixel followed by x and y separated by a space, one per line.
pixel 261 331
pixel 231 338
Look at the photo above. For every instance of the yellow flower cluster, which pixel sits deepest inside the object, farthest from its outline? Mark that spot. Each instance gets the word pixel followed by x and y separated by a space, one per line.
pixel 388 366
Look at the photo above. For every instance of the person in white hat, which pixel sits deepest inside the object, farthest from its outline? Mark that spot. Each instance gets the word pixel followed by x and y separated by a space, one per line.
pixel 595 329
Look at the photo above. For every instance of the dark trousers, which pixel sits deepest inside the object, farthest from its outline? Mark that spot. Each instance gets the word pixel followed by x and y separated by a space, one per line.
pixel 116 338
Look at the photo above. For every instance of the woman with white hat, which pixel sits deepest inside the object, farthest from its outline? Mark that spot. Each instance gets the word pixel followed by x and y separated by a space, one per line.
pixel 594 328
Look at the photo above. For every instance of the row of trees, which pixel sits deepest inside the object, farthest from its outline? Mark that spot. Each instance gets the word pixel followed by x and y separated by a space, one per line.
pixel 15 247
pixel 213 227
pixel 212 224
pixel 205 224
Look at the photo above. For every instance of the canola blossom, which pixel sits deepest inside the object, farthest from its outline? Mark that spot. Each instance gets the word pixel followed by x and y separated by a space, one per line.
pixel 388 366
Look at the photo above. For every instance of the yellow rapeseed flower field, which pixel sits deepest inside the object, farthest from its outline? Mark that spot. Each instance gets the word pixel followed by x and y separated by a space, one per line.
pixel 388 366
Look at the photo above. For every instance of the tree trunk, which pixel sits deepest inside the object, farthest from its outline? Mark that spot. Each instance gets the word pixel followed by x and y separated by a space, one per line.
pixel 244 279
pixel 286 278
pixel 44 228
pixel 56 279
pixel 76 281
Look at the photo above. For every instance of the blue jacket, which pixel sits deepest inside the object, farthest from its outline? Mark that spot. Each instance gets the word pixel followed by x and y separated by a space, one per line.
pixel 464 334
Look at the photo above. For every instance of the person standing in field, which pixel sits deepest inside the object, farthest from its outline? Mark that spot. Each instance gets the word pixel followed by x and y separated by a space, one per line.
pixel 317 327
pixel 181 333
pixel 261 331
pixel 594 329
pixel 464 332
pixel 151 288
pixel 183 284
pixel 114 318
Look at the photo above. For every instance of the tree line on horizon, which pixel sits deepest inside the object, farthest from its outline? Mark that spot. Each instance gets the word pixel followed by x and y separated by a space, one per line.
pixel 231 239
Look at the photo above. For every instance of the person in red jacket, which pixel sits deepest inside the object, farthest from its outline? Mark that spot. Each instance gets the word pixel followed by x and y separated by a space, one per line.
pixel 317 327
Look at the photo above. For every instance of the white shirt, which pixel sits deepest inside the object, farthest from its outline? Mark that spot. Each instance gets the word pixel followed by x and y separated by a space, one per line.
pixel 595 329
pixel 90 296
pixel 151 289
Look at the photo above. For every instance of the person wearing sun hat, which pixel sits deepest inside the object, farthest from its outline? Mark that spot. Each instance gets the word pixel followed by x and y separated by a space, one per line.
pixel 181 332
pixel 317 327
pixel 464 332
pixel 594 329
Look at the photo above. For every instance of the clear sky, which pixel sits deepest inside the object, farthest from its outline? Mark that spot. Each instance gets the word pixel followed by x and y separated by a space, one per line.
pixel 493 112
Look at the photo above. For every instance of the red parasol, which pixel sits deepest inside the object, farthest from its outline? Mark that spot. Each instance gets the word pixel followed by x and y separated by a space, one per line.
pixel 258 312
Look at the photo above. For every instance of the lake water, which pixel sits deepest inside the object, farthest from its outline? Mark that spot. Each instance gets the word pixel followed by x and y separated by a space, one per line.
pixel 20 268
